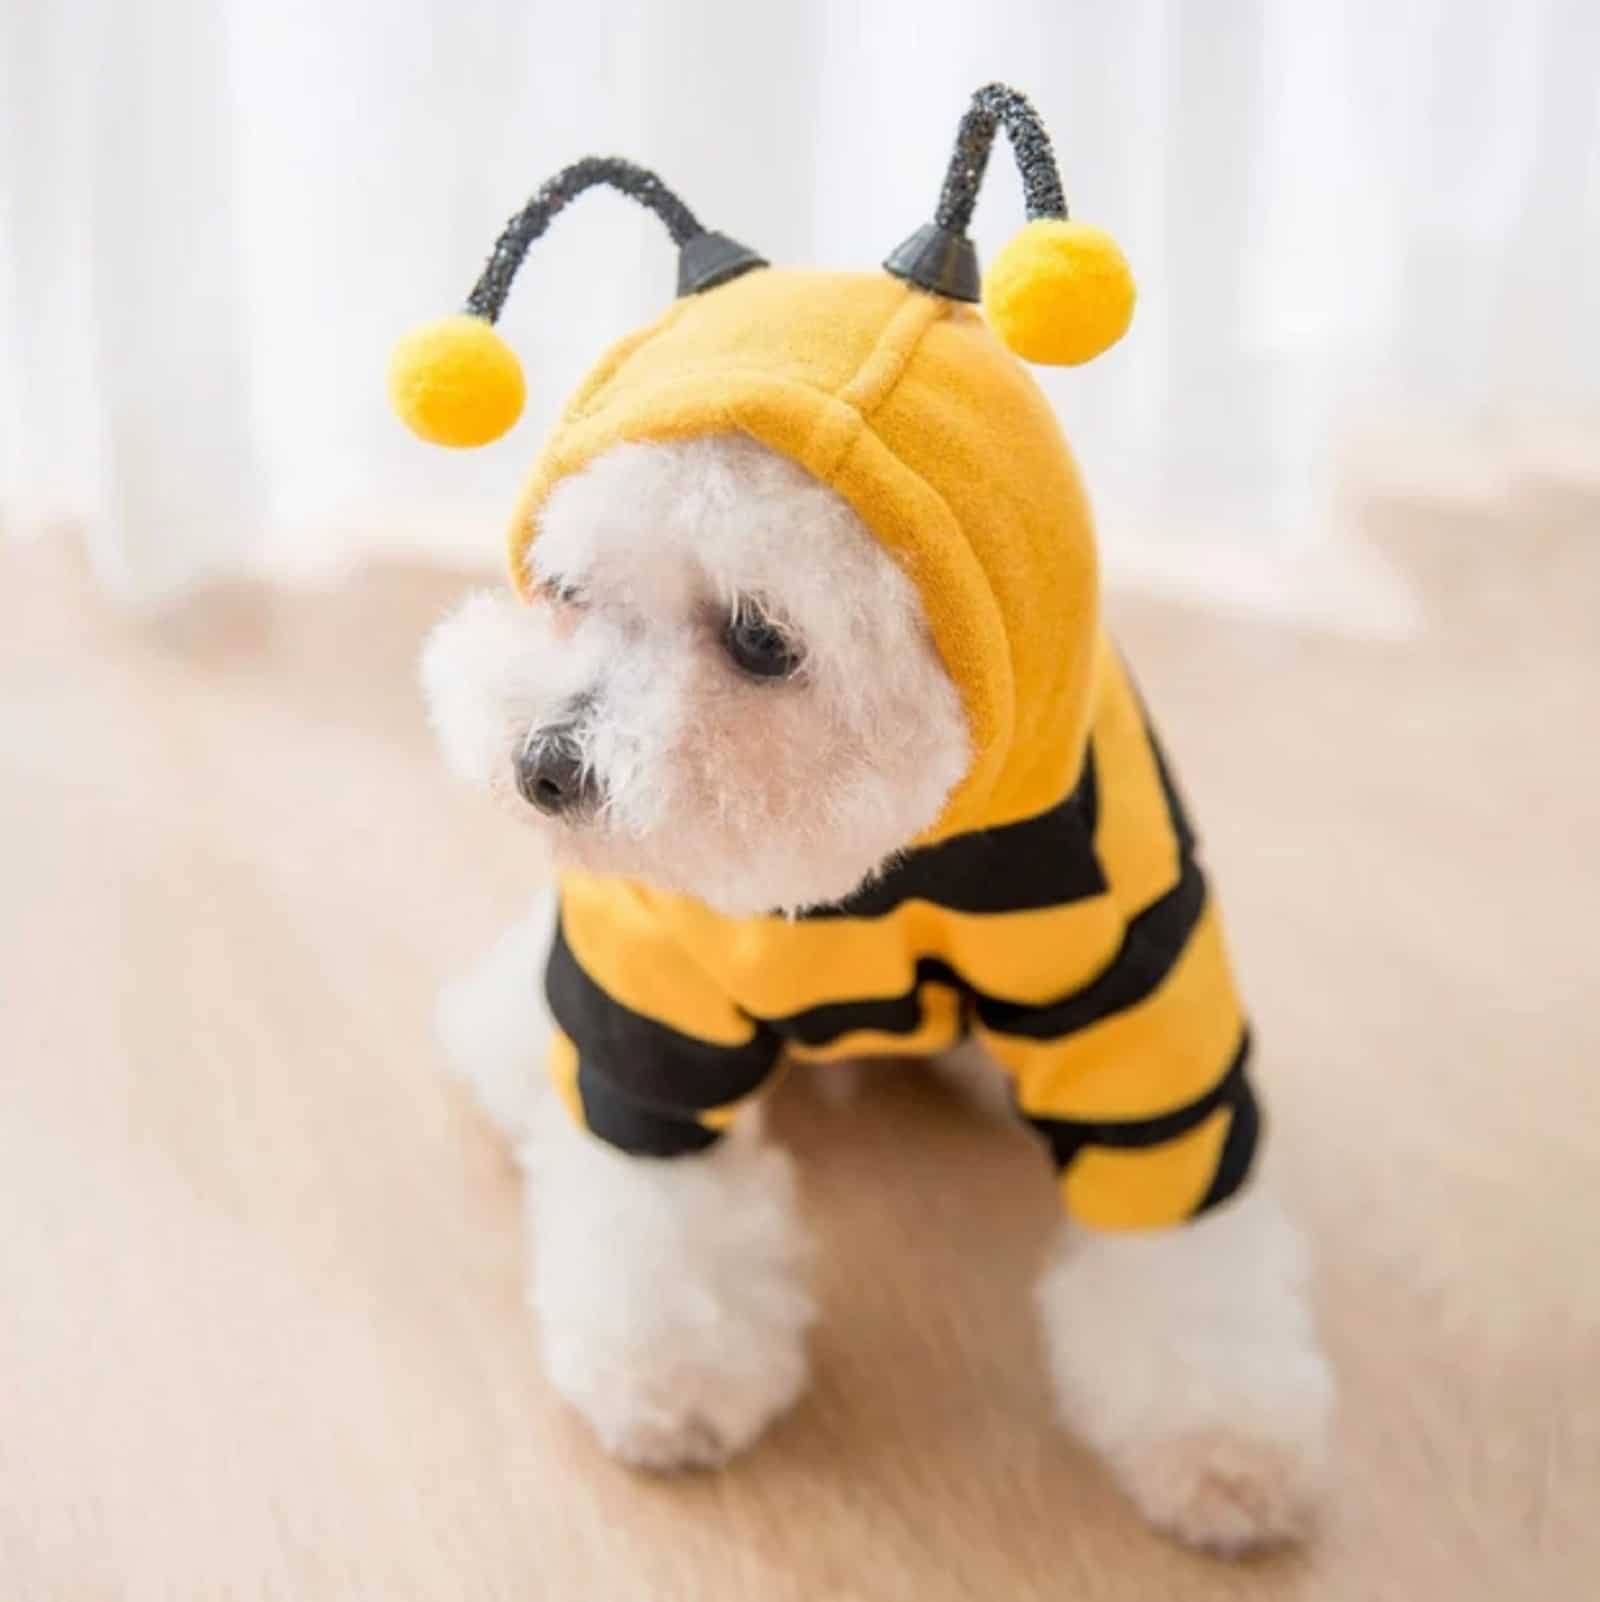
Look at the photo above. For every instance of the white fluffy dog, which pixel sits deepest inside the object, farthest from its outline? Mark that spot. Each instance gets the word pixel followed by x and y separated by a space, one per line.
pixel 672 1293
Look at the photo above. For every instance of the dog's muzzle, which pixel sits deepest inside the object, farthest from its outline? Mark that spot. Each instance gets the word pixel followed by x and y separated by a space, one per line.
pixel 552 775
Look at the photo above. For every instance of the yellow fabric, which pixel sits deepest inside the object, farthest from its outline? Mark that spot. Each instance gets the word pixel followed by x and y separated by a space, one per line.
pixel 1163 1053
pixel 619 936
pixel 1060 292
pixel 456 382
pixel 777 966
pixel 562 1066
pixel 711 978
pixel 1148 1188
pixel 914 412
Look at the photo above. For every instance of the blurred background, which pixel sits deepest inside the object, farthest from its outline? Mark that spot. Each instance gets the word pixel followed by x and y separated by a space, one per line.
pixel 261 1326
pixel 1367 238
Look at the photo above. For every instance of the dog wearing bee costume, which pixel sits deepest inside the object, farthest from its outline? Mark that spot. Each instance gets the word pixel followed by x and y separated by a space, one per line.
pixel 802 683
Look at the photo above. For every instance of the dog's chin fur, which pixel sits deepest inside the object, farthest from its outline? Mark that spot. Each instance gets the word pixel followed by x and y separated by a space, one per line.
pixel 753 796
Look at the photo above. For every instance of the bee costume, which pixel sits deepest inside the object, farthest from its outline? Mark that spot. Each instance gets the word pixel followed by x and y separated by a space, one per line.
pixel 1056 910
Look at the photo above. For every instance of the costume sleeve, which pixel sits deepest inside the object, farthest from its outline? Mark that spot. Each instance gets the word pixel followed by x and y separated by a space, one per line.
pixel 649 1054
pixel 1137 1080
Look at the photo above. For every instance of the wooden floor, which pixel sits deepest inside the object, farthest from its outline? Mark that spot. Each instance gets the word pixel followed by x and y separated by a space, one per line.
pixel 262 1333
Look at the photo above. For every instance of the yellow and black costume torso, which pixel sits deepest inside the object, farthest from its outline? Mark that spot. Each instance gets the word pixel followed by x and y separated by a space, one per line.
pixel 1079 944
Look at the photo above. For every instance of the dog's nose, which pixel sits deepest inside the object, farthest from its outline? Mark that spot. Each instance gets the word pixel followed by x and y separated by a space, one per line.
pixel 551 774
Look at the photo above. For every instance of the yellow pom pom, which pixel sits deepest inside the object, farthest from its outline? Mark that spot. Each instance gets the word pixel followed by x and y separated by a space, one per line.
pixel 456 382
pixel 1059 292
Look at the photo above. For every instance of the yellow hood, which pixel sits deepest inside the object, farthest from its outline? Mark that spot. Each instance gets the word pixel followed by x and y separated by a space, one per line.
pixel 909 407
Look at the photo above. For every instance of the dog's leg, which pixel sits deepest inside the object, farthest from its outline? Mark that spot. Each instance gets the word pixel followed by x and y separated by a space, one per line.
pixel 671 1293
pixel 494 1028
pixel 1187 1357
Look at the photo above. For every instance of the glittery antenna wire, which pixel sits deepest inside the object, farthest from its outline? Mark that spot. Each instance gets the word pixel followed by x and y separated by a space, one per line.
pixel 993 106
pixel 638 183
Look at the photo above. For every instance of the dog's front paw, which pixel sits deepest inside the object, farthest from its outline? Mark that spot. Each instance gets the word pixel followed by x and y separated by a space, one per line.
pixel 672 1294
pixel 662 1412
pixel 1220 1491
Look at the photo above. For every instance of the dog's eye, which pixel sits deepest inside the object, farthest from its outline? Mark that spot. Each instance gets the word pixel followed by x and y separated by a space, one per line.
pixel 758 646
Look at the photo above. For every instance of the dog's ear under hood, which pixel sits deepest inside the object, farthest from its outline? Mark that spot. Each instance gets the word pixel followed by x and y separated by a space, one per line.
pixel 890 388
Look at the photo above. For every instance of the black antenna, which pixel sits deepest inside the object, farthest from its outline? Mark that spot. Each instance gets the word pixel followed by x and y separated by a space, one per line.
pixel 705 259
pixel 939 257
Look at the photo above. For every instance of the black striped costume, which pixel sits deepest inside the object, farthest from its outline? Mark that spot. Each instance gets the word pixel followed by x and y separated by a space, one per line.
pixel 1080 944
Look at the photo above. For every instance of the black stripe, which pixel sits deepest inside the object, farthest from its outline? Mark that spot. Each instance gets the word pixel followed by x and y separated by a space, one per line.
pixel 626 1124
pixel 1067 1137
pixel 1042 861
pixel 1151 943
pixel 893 1015
pixel 1238 1150
pixel 1150 948
pixel 1176 811
pixel 650 1064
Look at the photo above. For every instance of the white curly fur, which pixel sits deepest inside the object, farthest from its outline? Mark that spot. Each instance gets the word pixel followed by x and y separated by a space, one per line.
pixel 493 1025
pixel 672 1293
pixel 752 796
pixel 672 1296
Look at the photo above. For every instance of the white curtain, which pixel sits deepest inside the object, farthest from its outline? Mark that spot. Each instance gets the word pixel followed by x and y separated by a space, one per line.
pixel 1371 223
